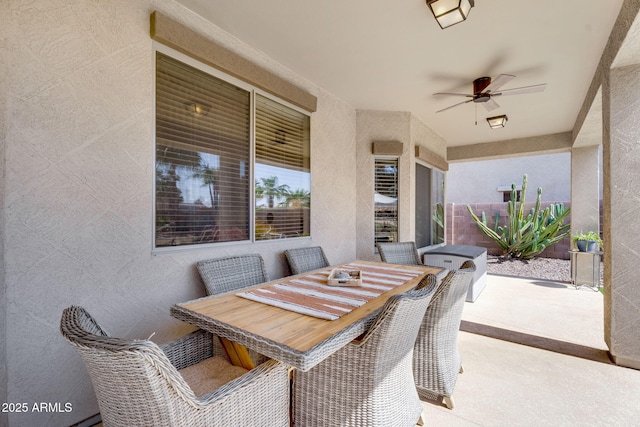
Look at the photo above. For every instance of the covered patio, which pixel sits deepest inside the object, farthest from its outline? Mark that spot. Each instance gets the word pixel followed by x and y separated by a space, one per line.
pixel 79 195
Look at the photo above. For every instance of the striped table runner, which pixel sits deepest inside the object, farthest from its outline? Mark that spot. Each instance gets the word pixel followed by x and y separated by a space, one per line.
pixel 312 296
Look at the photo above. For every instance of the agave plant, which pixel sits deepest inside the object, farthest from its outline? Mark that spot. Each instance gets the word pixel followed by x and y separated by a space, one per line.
pixel 525 237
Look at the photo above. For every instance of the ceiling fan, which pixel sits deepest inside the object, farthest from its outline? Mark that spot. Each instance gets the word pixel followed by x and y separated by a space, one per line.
pixel 484 89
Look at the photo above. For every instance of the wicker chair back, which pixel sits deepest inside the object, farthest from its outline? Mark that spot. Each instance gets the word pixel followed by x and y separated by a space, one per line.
pixel 368 382
pixel 436 360
pixel 227 274
pixel 399 253
pixel 302 260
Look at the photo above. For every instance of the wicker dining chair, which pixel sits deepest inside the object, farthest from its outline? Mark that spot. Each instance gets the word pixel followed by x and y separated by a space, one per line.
pixel 231 274
pixel 181 383
pixel 227 274
pixel 436 360
pixel 369 382
pixel 302 260
pixel 399 253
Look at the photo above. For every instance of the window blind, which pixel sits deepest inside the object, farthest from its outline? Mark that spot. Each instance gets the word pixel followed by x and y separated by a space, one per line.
pixel 202 156
pixel 282 171
pixel 386 200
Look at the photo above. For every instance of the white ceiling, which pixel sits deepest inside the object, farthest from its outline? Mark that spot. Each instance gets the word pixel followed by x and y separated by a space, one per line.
pixel 392 55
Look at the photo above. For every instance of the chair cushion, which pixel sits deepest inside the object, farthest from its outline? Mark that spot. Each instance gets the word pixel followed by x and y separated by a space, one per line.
pixel 210 374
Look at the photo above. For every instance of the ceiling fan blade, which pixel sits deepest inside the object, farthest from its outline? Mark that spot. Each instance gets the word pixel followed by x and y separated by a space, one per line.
pixel 454 105
pixel 454 94
pixel 519 90
pixel 491 105
pixel 498 82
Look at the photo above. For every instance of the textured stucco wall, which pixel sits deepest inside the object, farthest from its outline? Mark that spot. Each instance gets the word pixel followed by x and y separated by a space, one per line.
pixel 423 135
pixel 78 190
pixel 374 125
pixel 621 155
pixel 530 146
pixel 552 172
pixel 4 9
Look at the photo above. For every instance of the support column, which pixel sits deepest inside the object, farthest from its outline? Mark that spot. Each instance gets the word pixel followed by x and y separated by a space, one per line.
pixel 621 161
pixel 585 189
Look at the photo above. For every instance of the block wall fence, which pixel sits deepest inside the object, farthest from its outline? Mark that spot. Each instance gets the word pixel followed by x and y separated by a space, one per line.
pixel 462 230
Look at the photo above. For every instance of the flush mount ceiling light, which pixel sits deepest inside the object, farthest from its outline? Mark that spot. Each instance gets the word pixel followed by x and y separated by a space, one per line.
pixel 450 12
pixel 497 122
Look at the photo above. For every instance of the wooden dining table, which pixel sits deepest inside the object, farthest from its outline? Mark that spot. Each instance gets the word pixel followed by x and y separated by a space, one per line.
pixel 299 340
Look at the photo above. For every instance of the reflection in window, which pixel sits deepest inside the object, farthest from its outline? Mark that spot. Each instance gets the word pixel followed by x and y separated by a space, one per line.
pixel 386 200
pixel 202 147
pixel 423 206
pixel 430 214
pixel 203 159
pixel 282 170
pixel 437 206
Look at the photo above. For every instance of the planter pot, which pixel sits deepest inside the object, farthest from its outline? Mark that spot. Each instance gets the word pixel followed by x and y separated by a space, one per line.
pixel 587 245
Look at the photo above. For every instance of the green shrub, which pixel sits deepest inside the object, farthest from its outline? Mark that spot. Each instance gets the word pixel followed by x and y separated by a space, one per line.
pixel 525 237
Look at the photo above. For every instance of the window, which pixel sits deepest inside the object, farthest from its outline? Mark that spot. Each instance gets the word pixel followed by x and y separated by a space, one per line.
pixel 205 127
pixel 386 200
pixel 437 207
pixel 506 192
pixel 283 178
pixel 506 196
pixel 429 206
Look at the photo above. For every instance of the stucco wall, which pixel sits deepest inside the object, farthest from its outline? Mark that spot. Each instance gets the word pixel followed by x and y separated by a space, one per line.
pixel 79 190
pixel 374 125
pixel 621 108
pixel 4 9
pixel 552 172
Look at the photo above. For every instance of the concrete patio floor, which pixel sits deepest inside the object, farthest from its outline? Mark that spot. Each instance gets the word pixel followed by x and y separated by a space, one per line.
pixel 537 383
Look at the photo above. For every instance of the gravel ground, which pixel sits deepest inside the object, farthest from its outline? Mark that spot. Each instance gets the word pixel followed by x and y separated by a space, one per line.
pixel 557 270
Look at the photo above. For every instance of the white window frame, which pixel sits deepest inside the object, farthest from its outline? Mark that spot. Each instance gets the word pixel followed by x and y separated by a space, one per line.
pixel 398 211
pixel 253 91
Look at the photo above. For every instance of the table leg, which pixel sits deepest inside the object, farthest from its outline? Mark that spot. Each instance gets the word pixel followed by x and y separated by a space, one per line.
pixel 237 353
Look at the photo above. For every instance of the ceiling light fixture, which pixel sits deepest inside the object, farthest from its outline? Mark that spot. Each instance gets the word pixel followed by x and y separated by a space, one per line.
pixel 196 110
pixel 497 122
pixel 450 12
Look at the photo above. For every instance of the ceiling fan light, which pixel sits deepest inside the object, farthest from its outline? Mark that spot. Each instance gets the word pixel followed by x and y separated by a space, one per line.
pixel 497 122
pixel 450 12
